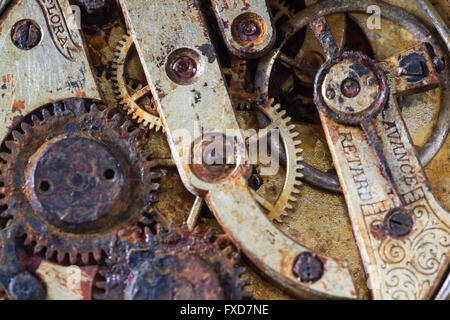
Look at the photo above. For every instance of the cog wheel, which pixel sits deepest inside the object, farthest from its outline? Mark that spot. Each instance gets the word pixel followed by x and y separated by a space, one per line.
pixel 173 265
pixel 144 113
pixel 276 119
pixel 75 178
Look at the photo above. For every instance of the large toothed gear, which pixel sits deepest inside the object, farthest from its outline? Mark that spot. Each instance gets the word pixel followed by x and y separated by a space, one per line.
pixel 173 265
pixel 293 158
pixel 144 113
pixel 76 177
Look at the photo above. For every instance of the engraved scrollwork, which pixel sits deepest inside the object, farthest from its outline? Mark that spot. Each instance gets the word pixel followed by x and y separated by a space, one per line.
pixel 428 247
pixel 412 262
pixel 421 212
pixel 393 251
pixel 402 284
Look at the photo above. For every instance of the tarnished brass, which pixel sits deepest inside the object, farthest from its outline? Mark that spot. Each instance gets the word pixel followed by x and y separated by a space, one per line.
pixel 370 105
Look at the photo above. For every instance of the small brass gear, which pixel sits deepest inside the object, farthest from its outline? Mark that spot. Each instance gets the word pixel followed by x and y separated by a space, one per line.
pixel 293 162
pixel 144 113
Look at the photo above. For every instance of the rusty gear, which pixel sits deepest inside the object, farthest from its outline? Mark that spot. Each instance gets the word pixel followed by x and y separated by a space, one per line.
pixel 75 178
pixel 173 265
pixel 145 114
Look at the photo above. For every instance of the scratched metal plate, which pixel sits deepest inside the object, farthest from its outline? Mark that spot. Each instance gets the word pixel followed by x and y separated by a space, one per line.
pixel 321 221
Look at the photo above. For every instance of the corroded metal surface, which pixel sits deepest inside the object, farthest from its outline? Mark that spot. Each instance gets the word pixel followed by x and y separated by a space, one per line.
pixel 293 27
pixel 320 219
pixel 58 197
pixel 26 83
pixel 368 204
pixel 273 252
pixel 173 265
pixel 246 26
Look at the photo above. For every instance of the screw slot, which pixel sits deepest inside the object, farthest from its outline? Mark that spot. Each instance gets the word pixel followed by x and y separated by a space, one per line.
pixel 26 34
pixel 399 223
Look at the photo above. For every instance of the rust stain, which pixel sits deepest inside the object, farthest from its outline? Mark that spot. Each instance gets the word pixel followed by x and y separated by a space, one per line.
pixel 246 5
pixel 80 94
pixel 18 106
pixel 7 78
pixel 225 5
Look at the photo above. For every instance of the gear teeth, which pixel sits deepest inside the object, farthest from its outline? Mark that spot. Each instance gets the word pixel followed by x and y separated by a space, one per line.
pixel 35 119
pixel 6 157
pixel 46 114
pixel 227 251
pixel 38 248
pixel 11 145
pixel 85 258
pixel 80 109
pixel 58 109
pixel 290 192
pixel 26 128
pixel 138 114
pixel 73 257
pixel 99 296
pixel 94 108
pixel 126 126
pixel 60 256
pixel 49 253
pixel 18 136
pixel 154 175
pixel 97 254
pixel 47 243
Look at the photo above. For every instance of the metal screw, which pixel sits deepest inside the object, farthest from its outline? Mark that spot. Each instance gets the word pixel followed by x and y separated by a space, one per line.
pixel 26 34
pixel 399 223
pixel 25 287
pixel 330 93
pixel 218 158
pixel 308 268
pixel 350 88
pixel 249 30
pixel 185 68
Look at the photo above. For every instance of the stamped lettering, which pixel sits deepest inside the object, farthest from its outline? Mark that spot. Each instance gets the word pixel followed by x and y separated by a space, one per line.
pixel 58 27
